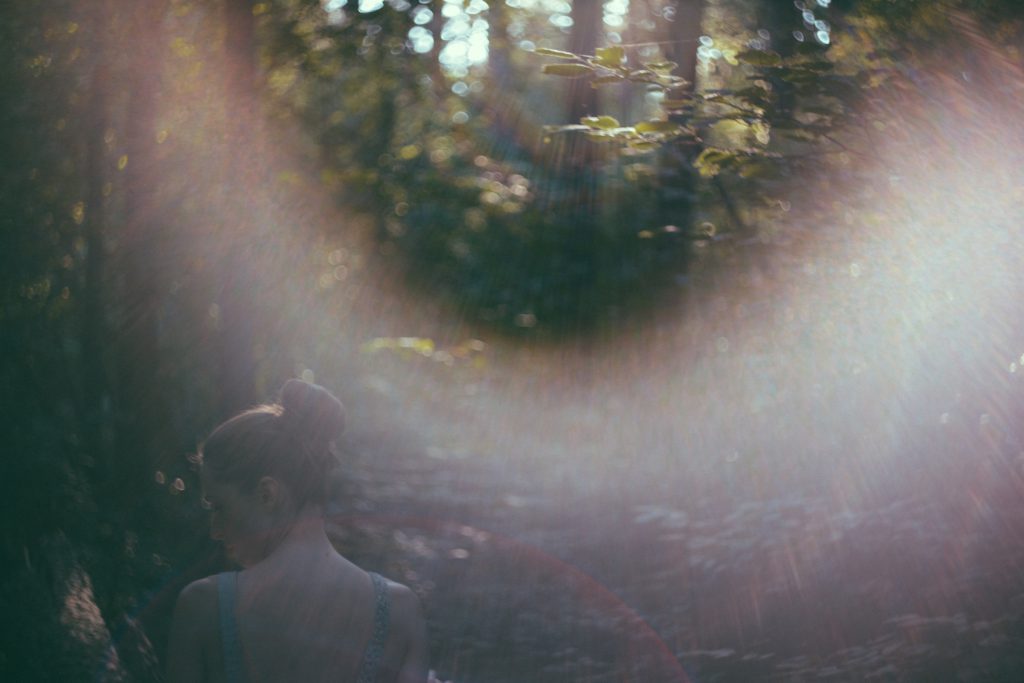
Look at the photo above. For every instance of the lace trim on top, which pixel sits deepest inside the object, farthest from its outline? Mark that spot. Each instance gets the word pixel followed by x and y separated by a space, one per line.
pixel 370 667
pixel 227 588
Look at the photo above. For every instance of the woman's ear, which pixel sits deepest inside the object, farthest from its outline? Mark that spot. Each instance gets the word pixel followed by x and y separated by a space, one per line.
pixel 270 492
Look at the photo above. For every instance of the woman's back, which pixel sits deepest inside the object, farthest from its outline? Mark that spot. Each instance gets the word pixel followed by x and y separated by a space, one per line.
pixel 288 619
pixel 298 611
pixel 320 625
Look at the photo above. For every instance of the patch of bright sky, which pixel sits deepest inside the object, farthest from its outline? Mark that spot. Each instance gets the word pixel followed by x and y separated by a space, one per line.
pixel 465 35
pixel 818 29
pixel 549 6
pixel 615 12
pixel 707 51
pixel 464 31
pixel 421 39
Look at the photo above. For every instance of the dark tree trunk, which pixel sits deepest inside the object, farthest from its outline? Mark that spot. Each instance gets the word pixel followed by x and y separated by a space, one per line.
pixel 237 327
pixel 141 392
pixel 682 34
pixel 93 376
pixel 780 19
pixel 436 27
pixel 572 156
pixel 377 148
pixel 676 173
pixel 587 29
pixel 499 63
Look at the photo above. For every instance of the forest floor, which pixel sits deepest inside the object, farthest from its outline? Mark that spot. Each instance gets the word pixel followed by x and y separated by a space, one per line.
pixel 524 579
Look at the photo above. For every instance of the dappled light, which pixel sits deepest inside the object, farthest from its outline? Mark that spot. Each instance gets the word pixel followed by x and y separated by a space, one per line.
pixel 682 350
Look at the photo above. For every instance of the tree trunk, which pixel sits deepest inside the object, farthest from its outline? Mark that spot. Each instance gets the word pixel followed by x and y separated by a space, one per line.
pixel 571 157
pixel 436 28
pixel 141 392
pixel 587 28
pixel 682 35
pixel 237 328
pixel 93 377
pixel 677 176
pixel 780 18
pixel 498 57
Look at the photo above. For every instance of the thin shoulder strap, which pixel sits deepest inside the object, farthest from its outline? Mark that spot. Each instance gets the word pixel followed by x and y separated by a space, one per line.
pixel 227 589
pixel 370 665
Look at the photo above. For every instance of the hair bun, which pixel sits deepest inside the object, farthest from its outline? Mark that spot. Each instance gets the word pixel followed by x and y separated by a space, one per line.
pixel 311 412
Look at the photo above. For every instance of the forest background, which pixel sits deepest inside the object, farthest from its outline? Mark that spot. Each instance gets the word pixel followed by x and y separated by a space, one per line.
pixel 680 339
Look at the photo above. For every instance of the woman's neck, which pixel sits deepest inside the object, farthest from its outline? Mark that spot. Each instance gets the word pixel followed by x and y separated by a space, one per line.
pixel 304 540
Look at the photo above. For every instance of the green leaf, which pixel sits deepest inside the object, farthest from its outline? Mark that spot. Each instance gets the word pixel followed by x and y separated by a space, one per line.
pixel 670 82
pixel 675 104
pixel 661 68
pixel 605 80
pixel 643 145
pixel 656 126
pixel 713 159
pixel 567 70
pixel 717 98
pixel 549 52
pixel 760 57
pixel 610 56
pixel 757 168
pixel 713 155
pixel 601 122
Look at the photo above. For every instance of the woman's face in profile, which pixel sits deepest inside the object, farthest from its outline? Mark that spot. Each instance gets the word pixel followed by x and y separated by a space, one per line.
pixel 237 519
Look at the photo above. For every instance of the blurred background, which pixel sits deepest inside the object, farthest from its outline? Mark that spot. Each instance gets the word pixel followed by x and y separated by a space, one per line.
pixel 680 339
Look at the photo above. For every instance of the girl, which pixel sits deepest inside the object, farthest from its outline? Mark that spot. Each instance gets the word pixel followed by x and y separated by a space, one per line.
pixel 297 611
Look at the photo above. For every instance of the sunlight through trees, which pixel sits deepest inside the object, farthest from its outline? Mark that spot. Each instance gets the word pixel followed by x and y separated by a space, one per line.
pixel 680 337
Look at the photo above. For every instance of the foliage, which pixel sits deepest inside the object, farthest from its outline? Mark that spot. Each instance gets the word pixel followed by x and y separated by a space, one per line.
pixel 804 100
pixel 520 259
pixel 470 224
pixel 795 586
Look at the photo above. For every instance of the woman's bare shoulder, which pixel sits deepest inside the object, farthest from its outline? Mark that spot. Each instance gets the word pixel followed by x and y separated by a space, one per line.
pixel 406 611
pixel 197 602
pixel 407 615
pixel 193 626
pixel 405 603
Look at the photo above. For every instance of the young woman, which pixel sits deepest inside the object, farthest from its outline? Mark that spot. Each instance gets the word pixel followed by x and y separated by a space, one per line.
pixel 297 611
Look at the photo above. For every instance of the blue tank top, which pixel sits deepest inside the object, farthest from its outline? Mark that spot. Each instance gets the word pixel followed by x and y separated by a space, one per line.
pixel 234 671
